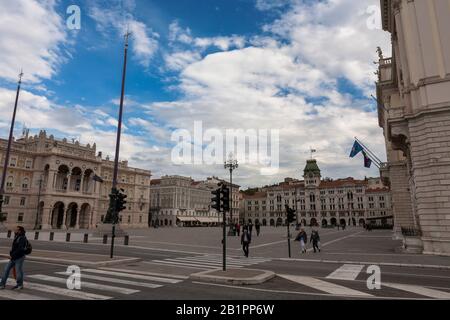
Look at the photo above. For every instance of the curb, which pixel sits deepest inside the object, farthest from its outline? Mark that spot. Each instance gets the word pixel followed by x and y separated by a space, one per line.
pixel 391 264
pixel 80 263
pixel 204 276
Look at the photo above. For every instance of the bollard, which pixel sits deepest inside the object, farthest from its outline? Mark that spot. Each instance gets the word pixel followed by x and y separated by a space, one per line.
pixel 36 235
pixel 85 239
pixel 52 235
pixel 105 239
pixel 9 234
pixel 125 240
pixel 68 237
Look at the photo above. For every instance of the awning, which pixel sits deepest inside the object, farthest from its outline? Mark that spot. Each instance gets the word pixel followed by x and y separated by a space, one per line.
pixel 207 219
pixel 186 219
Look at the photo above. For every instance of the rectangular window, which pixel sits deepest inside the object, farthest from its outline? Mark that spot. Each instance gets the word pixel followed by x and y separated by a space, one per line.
pixel 140 219
pixel 6 200
pixel 129 219
pixel 22 201
pixel 5 216
pixel 13 162
pixel 28 164
pixel 20 217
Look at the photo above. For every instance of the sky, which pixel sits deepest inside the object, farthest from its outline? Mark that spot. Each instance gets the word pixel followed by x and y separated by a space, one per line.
pixel 302 68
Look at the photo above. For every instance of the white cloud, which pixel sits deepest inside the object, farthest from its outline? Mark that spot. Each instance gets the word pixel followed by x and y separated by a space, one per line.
pixel 288 79
pixel 32 34
pixel 144 40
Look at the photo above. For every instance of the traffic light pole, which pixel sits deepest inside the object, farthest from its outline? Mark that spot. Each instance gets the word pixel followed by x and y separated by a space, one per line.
pixel 116 159
pixel 289 239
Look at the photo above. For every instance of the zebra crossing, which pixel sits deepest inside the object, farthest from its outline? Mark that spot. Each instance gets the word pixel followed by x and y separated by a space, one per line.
pixel 343 282
pixel 96 284
pixel 209 261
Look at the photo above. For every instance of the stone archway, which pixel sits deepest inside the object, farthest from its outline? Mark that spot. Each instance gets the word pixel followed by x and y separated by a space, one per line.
pixel 324 223
pixel 354 222
pixel 85 213
pixel 71 216
pixel 57 215
pixel 342 222
pixel 313 222
pixel 279 221
pixel 272 222
pixel 333 221
pixel 264 222
pixel 62 178
pixel 75 179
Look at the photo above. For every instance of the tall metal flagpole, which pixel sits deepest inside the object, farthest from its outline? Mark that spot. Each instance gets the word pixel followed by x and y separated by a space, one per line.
pixel 8 148
pixel 119 131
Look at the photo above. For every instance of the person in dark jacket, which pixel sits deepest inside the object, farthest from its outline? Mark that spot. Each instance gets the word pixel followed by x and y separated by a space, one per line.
pixel 315 239
pixel 250 228
pixel 17 257
pixel 246 239
pixel 258 228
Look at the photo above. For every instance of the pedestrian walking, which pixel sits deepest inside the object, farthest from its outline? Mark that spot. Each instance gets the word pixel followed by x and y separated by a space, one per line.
pixel 258 229
pixel 246 239
pixel 238 229
pixel 20 248
pixel 315 239
pixel 250 227
pixel 303 238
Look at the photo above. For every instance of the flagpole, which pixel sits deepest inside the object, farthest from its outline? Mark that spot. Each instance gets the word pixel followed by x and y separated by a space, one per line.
pixel 369 151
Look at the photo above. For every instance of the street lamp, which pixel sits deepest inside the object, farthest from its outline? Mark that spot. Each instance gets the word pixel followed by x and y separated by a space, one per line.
pixel 231 164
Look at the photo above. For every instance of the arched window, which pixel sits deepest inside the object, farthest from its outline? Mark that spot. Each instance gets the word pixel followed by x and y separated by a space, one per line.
pixel 10 181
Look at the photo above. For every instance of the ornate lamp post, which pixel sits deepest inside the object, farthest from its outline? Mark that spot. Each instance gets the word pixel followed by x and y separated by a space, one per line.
pixel 231 164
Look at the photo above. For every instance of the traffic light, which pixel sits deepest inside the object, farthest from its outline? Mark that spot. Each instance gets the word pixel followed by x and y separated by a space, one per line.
pixel 121 202
pixel 225 198
pixel 291 217
pixel 216 199
pixel 112 209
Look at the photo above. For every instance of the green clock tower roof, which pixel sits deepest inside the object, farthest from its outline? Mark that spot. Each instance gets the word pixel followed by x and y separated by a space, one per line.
pixel 312 167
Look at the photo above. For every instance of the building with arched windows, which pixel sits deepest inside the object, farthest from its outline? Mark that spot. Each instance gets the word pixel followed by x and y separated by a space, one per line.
pixel 57 184
pixel 319 201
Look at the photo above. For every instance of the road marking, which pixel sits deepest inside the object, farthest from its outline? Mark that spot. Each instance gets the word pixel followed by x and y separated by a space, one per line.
pixel 184 266
pixel 423 291
pixel 300 292
pixel 113 280
pixel 211 261
pixel 174 276
pixel 336 240
pixel 268 244
pixel 133 276
pixel 200 266
pixel 13 295
pixel 346 272
pixel 85 284
pixel 62 292
pixel 324 286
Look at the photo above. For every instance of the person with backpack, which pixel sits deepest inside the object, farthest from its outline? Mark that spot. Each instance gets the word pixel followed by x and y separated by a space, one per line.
pixel 20 248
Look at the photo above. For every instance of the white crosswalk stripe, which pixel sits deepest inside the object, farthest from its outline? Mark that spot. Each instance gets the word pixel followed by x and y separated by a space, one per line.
pixel 61 291
pixel 423 291
pixel 209 262
pixel 128 282
pixel 346 272
pixel 85 284
pixel 328 287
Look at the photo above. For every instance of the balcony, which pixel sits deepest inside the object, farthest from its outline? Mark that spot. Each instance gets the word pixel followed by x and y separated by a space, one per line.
pixel 385 71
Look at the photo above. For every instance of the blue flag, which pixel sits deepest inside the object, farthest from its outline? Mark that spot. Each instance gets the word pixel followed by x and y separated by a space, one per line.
pixel 357 148
pixel 367 160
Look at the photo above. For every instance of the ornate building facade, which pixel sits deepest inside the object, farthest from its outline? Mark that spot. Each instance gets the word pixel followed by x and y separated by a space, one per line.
pixel 413 91
pixel 181 201
pixel 50 185
pixel 319 202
